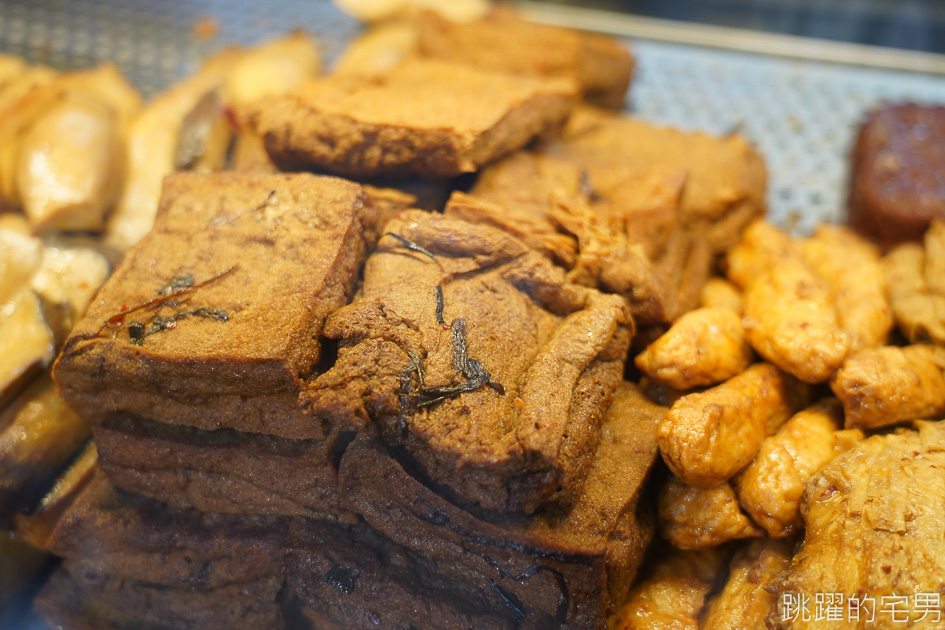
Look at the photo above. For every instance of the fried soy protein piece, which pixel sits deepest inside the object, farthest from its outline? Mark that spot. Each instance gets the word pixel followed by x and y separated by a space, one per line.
pixel 916 289
pixel 423 117
pixel 770 489
pixel 674 593
pixel 703 347
pixel 889 385
pixel 693 518
pixel 213 319
pixel 707 437
pixel 477 356
pixel 873 521
pixel 748 596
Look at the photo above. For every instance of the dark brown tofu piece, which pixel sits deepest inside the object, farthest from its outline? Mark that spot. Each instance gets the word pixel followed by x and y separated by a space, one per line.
pixel 479 358
pixel 504 42
pixel 556 568
pixel 897 180
pixel 725 176
pixel 612 226
pixel 222 471
pixel 424 117
pixel 213 319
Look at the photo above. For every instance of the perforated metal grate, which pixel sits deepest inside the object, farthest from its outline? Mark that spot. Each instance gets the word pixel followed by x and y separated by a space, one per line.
pixel 801 114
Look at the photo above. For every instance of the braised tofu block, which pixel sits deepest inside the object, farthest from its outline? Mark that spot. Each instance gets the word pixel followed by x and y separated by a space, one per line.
pixel 221 471
pixel 477 356
pixel 693 518
pixel 504 42
pixel 915 275
pixel 215 317
pixel 725 176
pixel 887 496
pixel 612 226
pixel 424 117
pixel 556 568
pixel 898 170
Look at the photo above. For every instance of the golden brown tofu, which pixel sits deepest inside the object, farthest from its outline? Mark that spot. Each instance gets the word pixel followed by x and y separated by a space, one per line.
pixel 770 488
pixel 851 267
pixel 874 518
pixel 747 597
pixel 915 287
pixel 703 347
pixel 883 386
pixel 760 247
pixel 790 320
pixel 671 597
pixel 707 437
pixel 692 518
pixel 720 293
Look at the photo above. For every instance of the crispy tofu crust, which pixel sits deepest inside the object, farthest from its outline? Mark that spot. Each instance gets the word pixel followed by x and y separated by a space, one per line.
pixel 703 347
pixel 707 437
pixel 884 386
pixel 424 117
pixel 215 317
pixel 693 518
pixel 770 489
pixel 916 289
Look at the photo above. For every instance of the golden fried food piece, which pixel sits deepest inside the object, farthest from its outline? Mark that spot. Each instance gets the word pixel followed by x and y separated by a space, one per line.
pixel 671 597
pixel 378 49
pixel 760 247
pixel 747 597
pixel 720 293
pixel 26 342
pixel 379 10
pixel 770 488
pixel 692 518
pixel 703 347
pixel 791 321
pixel 874 518
pixel 20 255
pixel 726 176
pixel 883 386
pixel 707 437
pixel 916 292
pixel 851 267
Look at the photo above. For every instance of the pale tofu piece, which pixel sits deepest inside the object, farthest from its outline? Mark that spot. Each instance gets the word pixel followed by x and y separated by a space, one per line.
pixel 26 342
pixel 152 147
pixel 890 385
pixel 19 106
pixel 67 279
pixel 915 286
pixel 273 67
pixel 693 518
pixel 378 49
pixel 851 267
pixel 70 165
pixel 720 293
pixel 770 489
pixel 674 593
pixel 703 347
pixel 379 10
pixel 20 255
pixel 748 596
pixel 707 437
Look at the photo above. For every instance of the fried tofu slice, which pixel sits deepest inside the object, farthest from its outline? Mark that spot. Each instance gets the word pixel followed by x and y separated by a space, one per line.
pixel 884 386
pixel 378 49
pixel 674 593
pixel 707 437
pixel 692 518
pixel 851 267
pixel 770 489
pixel 790 316
pixel 720 293
pixel 424 117
pixel 874 526
pixel 916 289
pixel 21 254
pixel 703 347
pixel 748 597
pixel 725 180
pixel 504 42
